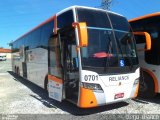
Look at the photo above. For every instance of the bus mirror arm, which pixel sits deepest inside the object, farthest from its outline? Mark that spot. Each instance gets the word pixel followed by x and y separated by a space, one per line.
pixel 147 38
pixel 82 33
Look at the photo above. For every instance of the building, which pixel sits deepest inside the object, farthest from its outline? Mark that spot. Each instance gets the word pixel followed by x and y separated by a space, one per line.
pixel 7 52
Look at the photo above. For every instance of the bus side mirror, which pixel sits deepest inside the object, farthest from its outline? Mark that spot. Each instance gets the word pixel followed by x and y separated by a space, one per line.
pixel 147 37
pixel 82 33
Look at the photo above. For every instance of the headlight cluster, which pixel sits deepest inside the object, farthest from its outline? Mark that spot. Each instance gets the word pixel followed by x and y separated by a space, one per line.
pixel 91 86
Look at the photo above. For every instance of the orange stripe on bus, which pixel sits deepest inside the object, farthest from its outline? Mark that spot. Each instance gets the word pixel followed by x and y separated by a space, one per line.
pixel 87 98
pixel 145 17
pixel 154 78
pixel 58 80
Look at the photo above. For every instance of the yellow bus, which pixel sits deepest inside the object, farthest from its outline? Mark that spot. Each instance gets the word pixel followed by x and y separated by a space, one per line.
pixel 84 55
pixel 149 60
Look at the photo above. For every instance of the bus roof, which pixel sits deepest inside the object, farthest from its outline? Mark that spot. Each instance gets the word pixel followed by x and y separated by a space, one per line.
pixel 57 14
pixel 145 17
pixel 76 6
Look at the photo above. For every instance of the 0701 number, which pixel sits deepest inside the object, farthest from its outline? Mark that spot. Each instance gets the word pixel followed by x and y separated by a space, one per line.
pixel 91 77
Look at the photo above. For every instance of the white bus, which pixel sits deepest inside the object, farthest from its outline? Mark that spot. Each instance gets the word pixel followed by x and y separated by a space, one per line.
pixel 149 60
pixel 84 55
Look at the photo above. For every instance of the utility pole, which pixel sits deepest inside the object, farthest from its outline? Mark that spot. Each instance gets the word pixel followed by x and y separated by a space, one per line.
pixel 106 4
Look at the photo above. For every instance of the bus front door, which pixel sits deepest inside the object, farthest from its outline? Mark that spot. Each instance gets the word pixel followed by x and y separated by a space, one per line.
pixel 70 67
pixel 63 72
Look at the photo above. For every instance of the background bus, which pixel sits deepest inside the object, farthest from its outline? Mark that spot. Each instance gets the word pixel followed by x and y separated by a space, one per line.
pixel 85 55
pixel 149 60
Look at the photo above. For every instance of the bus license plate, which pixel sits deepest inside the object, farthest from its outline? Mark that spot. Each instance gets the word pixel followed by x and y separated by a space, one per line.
pixel 119 95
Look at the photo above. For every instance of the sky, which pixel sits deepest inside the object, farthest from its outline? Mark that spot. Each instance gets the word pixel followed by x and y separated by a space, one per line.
pixel 19 16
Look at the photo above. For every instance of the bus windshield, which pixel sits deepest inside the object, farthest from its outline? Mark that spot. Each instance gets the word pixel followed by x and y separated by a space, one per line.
pixel 111 43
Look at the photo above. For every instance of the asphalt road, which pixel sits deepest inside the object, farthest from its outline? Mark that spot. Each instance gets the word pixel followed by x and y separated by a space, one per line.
pixel 19 96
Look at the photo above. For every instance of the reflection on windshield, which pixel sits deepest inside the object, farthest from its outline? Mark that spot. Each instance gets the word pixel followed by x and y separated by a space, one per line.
pixel 125 44
pixel 104 51
pixel 102 55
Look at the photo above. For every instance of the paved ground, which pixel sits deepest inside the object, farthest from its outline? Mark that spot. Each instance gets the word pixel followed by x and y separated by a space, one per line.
pixel 19 96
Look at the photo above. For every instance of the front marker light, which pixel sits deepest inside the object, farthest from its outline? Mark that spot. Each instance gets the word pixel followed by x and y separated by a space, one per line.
pixel 92 86
pixel 136 81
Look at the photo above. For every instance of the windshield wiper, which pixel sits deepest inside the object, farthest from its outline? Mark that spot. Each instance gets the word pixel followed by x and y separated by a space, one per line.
pixel 108 51
pixel 127 45
pixel 119 46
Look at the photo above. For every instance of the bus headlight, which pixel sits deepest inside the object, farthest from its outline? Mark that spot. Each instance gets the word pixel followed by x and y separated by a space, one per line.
pixel 92 86
pixel 136 81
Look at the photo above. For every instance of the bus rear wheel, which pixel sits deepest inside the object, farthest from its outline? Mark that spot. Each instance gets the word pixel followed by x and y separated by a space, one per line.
pixel 147 87
pixel 15 69
pixel 46 85
pixel 18 71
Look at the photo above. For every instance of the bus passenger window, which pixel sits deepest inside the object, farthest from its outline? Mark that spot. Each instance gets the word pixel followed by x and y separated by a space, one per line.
pixel 154 34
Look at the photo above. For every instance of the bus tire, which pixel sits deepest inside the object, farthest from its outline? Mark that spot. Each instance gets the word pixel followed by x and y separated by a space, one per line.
pixel 15 68
pixel 46 84
pixel 18 71
pixel 147 87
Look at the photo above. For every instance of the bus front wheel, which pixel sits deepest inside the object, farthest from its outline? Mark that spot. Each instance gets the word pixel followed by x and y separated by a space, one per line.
pixel 147 87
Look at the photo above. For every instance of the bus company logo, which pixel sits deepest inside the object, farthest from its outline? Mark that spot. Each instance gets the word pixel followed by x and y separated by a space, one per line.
pixel 121 62
pixel 119 78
